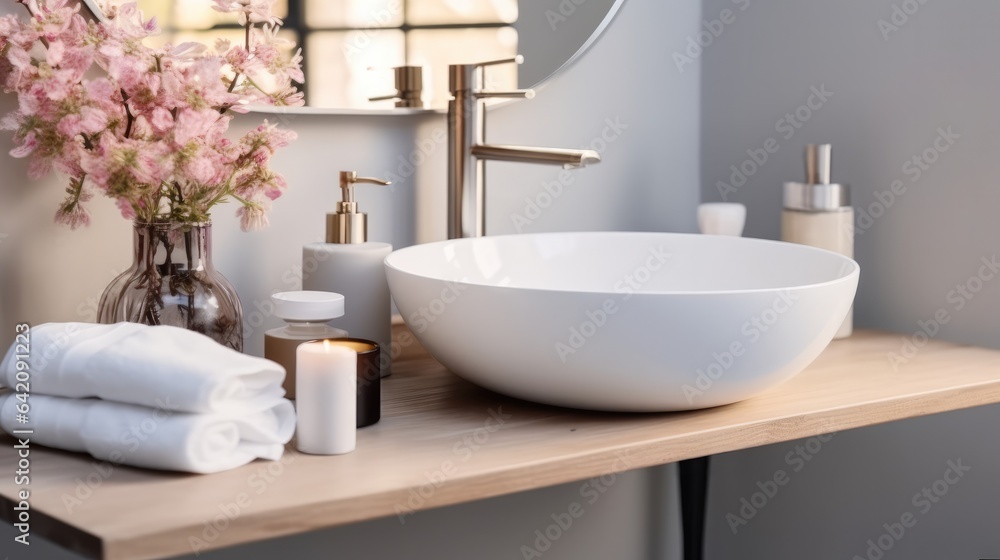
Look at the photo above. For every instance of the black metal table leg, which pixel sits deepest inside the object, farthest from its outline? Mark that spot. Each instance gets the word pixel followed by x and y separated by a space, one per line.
pixel 694 495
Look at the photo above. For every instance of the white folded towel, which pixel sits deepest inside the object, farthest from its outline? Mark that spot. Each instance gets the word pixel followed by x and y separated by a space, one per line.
pixel 162 367
pixel 153 437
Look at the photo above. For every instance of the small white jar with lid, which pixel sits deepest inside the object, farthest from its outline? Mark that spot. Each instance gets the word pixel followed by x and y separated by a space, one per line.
pixel 307 314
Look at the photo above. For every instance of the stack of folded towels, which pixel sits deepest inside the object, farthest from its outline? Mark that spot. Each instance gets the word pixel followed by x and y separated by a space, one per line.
pixel 155 397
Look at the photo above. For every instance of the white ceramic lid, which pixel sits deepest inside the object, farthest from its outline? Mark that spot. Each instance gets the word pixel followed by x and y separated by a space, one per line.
pixel 722 218
pixel 308 306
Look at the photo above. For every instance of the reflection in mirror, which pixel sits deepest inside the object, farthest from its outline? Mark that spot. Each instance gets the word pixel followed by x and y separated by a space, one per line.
pixel 351 46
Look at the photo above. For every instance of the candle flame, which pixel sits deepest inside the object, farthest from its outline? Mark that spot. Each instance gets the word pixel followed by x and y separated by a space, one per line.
pixel 326 346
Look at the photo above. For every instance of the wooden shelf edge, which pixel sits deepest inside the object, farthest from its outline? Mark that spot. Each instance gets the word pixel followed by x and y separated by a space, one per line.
pixel 425 406
pixel 542 474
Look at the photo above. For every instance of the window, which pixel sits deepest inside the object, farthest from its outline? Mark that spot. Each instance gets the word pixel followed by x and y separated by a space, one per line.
pixel 350 46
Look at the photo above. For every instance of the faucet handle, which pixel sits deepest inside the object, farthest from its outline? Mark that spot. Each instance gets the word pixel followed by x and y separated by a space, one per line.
pixel 461 77
pixel 515 94
pixel 517 59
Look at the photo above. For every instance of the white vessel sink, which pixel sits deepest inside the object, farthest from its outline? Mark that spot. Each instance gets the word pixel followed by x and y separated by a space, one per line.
pixel 623 321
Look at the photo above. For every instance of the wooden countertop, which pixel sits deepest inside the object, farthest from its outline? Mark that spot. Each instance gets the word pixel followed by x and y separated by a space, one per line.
pixel 444 441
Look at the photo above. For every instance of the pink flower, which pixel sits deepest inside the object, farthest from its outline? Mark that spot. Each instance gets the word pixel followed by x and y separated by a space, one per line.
pixel 129 22
pixel 205 166
pixel 9 25
pixel 294 67
pixel 253 217
pixel 55 52
pixel 126 208
pixel 39 168
pixel 192 123
pixel 289 97
pixel 18 57
pixel 10 121
pixel 252 11
pixel 239 58
pixel 28 145
pixel 30 102
pixel 56 87
pixel 186 51
pixel 88 121
pixel 161 120
pixel 71 212
pixel 118 166
pixel 76 61
pixel 78 216
pixel 267 54
pixel 102 91
pixel 276 187
pixel 128 71
pixel 54 18
pixel 268 45
pixel 67 160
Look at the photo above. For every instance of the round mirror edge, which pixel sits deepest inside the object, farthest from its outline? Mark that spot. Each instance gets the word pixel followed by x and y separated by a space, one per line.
pixel 585 46
pixel 93 9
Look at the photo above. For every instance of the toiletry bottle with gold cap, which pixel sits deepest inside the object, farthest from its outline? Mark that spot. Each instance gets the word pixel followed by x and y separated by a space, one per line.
pixel 347 263
pixel 819 213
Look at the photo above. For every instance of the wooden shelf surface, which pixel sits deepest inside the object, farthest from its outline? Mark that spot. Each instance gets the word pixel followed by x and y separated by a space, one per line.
pixel 444 441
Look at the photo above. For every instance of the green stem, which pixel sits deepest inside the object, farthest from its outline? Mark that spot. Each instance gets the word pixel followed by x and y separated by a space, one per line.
pixel 224 192
pixel 260 89
pixel 75 191
pixel 240 200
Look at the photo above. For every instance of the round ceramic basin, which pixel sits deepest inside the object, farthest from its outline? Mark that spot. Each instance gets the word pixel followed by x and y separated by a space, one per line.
pixel 623 321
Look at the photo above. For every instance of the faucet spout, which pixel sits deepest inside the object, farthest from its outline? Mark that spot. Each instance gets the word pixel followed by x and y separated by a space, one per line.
pixel 468 151
pixel 568 159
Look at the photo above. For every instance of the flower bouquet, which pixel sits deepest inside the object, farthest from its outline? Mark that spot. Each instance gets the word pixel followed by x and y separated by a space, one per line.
pixel 146 126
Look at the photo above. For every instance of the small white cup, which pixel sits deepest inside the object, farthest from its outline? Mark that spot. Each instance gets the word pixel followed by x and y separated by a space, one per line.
pixel 722 218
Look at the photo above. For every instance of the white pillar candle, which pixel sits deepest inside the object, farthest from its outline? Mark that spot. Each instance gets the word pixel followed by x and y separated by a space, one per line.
pixel 326 398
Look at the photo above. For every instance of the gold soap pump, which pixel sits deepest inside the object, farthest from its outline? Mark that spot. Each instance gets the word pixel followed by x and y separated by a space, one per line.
pixel 347 225
pixel 347 263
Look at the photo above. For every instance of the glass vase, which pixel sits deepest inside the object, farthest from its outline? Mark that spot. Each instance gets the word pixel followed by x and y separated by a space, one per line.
pixel 172 281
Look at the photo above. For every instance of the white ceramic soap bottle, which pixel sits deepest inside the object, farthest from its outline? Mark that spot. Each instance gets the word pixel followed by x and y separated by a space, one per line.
pixel 347 263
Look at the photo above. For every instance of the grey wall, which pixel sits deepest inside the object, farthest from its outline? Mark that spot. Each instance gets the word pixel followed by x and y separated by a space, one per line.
pixel 890 98
pixel 648 181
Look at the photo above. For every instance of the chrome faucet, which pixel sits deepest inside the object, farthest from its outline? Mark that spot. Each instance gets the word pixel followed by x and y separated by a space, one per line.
pixel 468 150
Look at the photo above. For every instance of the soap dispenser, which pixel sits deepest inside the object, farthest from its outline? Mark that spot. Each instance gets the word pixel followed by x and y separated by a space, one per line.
pixel 819 213
pixel 347 263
